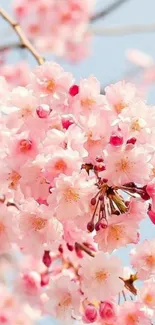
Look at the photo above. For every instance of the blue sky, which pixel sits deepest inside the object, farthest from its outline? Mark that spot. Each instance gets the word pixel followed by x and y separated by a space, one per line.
pixel 107 61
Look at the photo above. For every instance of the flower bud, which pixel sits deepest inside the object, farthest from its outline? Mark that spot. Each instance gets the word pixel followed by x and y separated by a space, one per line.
pixel 107 311
pixel 47 258
pixel 90 314
pixel 116 140
pixel 74 90
pixel 42 111
pixel 66 122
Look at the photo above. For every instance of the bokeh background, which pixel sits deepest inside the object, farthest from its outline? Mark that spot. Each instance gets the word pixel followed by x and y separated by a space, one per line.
pixel 107 61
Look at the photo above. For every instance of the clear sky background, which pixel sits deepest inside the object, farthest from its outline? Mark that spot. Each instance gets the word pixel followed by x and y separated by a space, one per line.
pixel 107 60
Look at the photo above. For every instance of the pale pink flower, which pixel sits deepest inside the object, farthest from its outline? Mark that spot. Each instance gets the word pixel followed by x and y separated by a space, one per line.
pixel 23 147
pixel 120 95
pixel 16 74
pixel 50 79
pixel 38 228
pixel 143 259
pixel 8 228
pixel 28 286
pixel 89 97
pixel 146 294
pixel 64 299
pixel 139 58
pixel 73 234
pixel 131 313
pixel 70 194
pixel 137 121
pixel 97 132
pixel 62 162
pixel 137 209
pixel 120 232
pixel 33 182
pixel 103 274
pixel 125 165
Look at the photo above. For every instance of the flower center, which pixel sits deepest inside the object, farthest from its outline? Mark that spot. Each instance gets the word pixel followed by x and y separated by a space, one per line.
pixel 101 276
pixel 25 112
pixel 87 102
pixel 118 107
pixel 135 126
pixel 60 165
pixel 65 301
pixel 153 171
pixel 14 178
pixel 150 260
pixel 25 145
pixel 38 223
pixel 71 195
pixel 131 319
pixel 116 232
pixel 123 165
pixel 2 227
pixel 148 298
pixel 51 86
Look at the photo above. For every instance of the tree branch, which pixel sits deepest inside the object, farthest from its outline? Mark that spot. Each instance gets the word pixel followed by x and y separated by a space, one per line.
pixel 105 12
pixel 11 46
pixel 123 30
pixel 24 42
pixel 84 248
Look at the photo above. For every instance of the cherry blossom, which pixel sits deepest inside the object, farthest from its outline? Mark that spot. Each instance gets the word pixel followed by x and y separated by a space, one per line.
pixel 71 16
pixel 77 179
pixel 101 275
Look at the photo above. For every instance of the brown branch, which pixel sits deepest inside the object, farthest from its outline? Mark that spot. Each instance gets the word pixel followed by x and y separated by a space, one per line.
pixel 84 248
pixel 24 42
pixel 11 46
pixel 105 12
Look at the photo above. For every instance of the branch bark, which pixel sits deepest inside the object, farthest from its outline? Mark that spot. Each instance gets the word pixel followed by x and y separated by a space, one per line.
pixel 105 12
pixel 123 30
pixel 24 42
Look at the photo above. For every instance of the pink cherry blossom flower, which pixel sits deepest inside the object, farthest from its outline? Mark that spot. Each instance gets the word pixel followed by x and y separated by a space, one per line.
pixel 8 228
pixel 64 299
pixel 51 79
pixel 33 181
pixel 16 74
pixel 69 196
pixel 89 97
pixel 120 95
pixel 124 166
pixel 62 162
pixel 143 259
pixel 131 313
pixel 23 146
pixel 38 228
pixel 28 286
pixel 146 294
pixel 103 274
pixel 120 231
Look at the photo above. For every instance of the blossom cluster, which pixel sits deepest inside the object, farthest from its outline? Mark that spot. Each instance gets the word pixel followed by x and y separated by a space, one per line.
pixel 65 31
pixel 77 177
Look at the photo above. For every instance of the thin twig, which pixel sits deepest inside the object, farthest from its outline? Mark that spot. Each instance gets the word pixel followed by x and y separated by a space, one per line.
pixel 24 42
pixel 11 46
pixel 124 296
pixel 123 30
pixel 84 248
pixel 105 12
